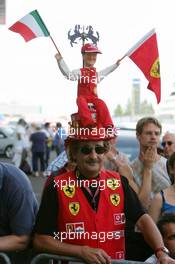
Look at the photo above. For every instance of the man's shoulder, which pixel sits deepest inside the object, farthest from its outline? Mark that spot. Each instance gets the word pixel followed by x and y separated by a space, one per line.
pixel 64 176
pixel 43 133
pixel 109 174
pixel 161 166
pixel 17 188
pixel 162 160
pixel 58 162
pixel 9 170
pixel 13 177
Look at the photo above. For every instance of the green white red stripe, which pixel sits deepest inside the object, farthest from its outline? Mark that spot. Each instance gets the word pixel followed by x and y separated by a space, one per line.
pixel 30 26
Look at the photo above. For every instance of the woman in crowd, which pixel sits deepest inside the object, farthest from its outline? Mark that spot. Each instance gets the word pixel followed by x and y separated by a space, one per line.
pixel 164 201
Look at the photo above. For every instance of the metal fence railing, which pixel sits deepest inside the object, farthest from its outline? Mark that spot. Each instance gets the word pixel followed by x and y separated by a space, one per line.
pixel 50 257
pixel 5 258
pixel 42 256
pixel 45 256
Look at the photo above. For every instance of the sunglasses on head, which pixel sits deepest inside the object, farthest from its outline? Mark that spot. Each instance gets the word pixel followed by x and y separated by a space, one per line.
pixel 86 150
pixel 169 143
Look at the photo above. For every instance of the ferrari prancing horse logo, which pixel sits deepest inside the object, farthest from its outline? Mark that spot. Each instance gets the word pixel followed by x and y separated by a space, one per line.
pixel 115 199
pixel 113 183
pixel 69 191
pixel 155 69
pixel 74 208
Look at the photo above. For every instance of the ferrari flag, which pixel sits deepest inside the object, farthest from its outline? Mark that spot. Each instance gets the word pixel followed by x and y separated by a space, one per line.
pixel 30 26
pixel 146 56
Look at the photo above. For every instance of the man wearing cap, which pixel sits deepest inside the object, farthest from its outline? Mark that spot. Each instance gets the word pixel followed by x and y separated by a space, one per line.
pixel 82 212
pixel 88 78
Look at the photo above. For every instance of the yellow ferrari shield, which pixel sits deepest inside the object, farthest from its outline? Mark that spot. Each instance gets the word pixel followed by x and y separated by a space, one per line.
pixel 115 199
pixel 69 191
pixel 74 208
pixel 69 227
pixel 155 69
pixel 113 183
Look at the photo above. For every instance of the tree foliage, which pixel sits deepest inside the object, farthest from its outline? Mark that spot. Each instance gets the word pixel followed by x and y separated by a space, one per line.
pixel 145 109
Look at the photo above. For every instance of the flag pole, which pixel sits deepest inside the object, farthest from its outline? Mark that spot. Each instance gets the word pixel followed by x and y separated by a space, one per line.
pixel 123 57
pixel 47 31
pixel 119 60
pixel 139 43
pixel 54 44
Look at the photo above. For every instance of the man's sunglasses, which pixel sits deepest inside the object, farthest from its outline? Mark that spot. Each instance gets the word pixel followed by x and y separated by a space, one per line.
pixel 86 150
pixel 169 143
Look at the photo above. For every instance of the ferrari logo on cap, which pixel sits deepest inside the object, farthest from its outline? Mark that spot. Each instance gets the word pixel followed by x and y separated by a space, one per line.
pixel 115 199
pixel 69 191
pixel 74 208
pixel 113 183
pixel 155 69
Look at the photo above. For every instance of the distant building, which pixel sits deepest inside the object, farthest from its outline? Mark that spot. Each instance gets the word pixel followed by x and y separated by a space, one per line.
pixel 31 113
pixel 135 97
pixel 2 12
pixel 166 109
pixel 17 109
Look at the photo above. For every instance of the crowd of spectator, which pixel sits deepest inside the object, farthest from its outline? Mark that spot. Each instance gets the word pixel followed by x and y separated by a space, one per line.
pixel 150 179
pixel 34 144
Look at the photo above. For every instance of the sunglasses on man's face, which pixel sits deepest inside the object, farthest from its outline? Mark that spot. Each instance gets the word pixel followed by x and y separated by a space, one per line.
pixel 169 143
pixel 86 150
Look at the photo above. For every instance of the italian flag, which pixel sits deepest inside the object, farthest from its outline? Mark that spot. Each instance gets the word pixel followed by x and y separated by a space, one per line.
pixel 30 26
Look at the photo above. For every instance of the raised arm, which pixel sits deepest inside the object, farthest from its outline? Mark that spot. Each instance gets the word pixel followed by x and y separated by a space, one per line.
pixel 148 158
pixel 105 72
pixel 155 207
pixel 123 168
pixel 70 75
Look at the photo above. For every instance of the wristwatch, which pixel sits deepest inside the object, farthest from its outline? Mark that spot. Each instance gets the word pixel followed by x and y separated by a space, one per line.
pixel 163 249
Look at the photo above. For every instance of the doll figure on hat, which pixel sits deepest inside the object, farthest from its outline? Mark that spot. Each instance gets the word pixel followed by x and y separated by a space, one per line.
pixel 92 111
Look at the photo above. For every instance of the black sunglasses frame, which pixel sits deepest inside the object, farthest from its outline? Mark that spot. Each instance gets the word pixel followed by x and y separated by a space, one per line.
pixel 169 143
pixel 86 150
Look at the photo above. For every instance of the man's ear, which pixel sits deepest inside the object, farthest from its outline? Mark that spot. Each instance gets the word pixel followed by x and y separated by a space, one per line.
pixel 73 156
pixel 137 135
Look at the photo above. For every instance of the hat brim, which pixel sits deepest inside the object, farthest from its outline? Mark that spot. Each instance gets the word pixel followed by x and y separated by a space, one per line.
pixel 70 139
pixel 91 51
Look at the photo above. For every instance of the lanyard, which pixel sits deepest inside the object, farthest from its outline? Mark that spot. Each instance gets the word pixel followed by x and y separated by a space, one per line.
pixel 93 196
pixel 89 189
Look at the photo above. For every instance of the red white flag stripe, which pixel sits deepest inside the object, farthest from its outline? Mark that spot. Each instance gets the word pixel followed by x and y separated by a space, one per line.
pixel 30 26
pixel 140 42
pixel 30 22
